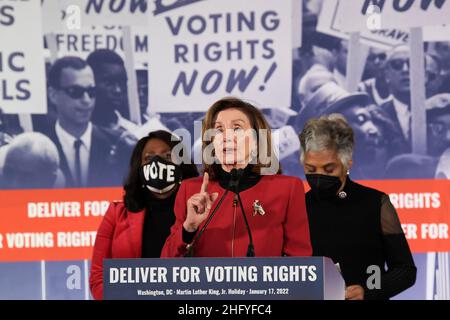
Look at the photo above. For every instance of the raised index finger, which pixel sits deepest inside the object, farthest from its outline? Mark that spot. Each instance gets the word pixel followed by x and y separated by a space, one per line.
pixel 205 182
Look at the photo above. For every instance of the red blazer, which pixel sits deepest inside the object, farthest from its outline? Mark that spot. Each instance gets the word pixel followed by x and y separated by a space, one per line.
pixel 283 230
pixel 119 236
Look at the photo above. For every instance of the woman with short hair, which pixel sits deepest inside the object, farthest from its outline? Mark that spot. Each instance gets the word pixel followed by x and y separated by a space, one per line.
pixel 354 225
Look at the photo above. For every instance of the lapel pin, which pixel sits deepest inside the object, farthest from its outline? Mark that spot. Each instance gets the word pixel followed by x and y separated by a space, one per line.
pixel 342 195
pixel 258 209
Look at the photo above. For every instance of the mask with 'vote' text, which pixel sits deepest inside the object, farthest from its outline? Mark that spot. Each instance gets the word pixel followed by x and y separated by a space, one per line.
pixel 160 175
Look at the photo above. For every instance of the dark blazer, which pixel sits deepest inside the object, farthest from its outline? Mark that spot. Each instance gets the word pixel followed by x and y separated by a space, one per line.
pixel 103 168
pixel 397 143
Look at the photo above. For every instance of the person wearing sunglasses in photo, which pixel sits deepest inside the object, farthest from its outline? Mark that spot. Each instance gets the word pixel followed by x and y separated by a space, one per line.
pixel 398 109
pixel 84 150
pixel 374 81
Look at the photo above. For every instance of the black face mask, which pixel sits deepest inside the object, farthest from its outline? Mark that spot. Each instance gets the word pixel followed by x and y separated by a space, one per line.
pixel 323 185
pixel 159 175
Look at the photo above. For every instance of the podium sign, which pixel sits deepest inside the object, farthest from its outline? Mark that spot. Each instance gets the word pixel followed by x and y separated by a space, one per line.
pixel 278 278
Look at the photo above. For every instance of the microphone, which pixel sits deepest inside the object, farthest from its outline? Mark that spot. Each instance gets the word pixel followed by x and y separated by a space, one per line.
pixel 236 175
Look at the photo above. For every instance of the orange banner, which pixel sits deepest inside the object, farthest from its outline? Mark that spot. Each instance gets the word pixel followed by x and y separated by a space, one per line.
pixel 423 209
pixel 62 224
pixel 52 224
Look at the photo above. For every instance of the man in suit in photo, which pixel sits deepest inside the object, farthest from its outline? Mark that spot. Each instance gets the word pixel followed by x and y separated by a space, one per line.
pixel 398 108
pixel 87 154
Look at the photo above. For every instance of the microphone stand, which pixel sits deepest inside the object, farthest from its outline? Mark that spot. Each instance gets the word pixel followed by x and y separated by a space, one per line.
pixel 235 177
pixel 234 187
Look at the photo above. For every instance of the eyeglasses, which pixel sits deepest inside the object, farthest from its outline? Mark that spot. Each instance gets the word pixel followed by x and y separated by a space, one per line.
pixel 77 92
pixel 398 64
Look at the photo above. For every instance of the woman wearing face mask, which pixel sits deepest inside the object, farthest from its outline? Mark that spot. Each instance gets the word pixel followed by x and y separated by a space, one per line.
pixel 271 209
pixel 138 226
pixel 354 225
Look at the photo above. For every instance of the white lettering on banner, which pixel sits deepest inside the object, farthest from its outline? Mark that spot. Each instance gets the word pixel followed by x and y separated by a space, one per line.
pixel 410 230
pixel 138 275
pixel 33 240
pixel 289 273
pixel 67 209
pixel 433 231
pixel 148 292
pixel 53 209
pixel 76 239
pixel 95 208
pixel 29 240
pixel 228 274
pixel 22 65
pixel 220 48
pixel 186 274
pixel 232 273
pixel 418 200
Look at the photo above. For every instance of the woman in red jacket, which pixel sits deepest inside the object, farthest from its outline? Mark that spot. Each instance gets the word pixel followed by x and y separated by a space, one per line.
pixel 237 136
pixel 139 226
